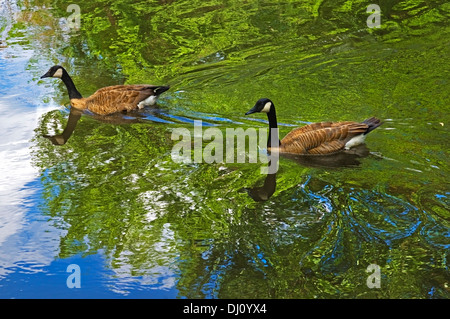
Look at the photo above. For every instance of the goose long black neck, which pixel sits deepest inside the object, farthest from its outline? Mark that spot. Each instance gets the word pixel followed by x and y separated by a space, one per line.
pixel 273 127
pixel 73 92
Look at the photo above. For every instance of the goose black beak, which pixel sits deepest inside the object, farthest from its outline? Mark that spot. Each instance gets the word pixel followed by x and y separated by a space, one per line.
pixel 46 75
pixel 252 110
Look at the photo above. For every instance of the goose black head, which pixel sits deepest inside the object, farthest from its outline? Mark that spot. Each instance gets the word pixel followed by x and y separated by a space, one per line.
pixel 55 71
pixel 262 105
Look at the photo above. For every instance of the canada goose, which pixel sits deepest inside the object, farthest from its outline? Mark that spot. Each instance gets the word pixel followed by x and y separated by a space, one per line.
pixel 318 138
pixel 111 99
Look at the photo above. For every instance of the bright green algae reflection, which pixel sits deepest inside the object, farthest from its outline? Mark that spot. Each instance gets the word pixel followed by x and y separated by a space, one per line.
pixel 224 230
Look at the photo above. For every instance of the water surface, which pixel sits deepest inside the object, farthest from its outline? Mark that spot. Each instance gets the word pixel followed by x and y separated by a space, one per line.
pixel 113 201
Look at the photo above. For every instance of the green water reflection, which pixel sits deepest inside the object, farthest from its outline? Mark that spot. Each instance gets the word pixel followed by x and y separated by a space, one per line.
pixel 113 186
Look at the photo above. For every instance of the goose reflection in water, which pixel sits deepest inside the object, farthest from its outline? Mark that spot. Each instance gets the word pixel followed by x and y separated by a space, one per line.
pixel 349 158
pixel 75 115
pixel 61 139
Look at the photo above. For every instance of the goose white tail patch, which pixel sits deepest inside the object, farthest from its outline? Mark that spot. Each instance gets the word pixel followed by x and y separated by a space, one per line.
pixel 266 108
pixel 151 100
pixel 357 140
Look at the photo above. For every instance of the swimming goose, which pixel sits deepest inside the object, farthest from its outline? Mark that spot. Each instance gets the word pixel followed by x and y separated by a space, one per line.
pixel 318 138
pixel 111 99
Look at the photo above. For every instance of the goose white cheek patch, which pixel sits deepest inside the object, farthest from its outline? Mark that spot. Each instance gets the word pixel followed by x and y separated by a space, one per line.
pixel 58 73
pixel 266 108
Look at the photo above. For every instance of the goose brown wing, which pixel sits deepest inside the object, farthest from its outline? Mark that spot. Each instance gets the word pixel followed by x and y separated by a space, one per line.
pixel 321 138
pixel 118 98
pixel 128 87
pixel 320 125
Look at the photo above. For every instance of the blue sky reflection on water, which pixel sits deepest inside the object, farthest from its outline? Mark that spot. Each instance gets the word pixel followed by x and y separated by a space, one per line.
pixel 29 240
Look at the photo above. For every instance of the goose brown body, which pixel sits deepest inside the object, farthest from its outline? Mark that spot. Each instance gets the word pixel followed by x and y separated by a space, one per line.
pixel 111 99
pixel 321 138
pixel 117 98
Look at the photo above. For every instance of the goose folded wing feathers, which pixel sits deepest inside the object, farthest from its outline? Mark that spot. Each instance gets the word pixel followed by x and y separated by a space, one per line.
pixel 321 138
pixel 116 100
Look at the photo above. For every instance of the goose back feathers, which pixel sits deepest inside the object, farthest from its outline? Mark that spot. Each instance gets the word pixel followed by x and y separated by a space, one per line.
pixel 119 98
pixel 326 137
